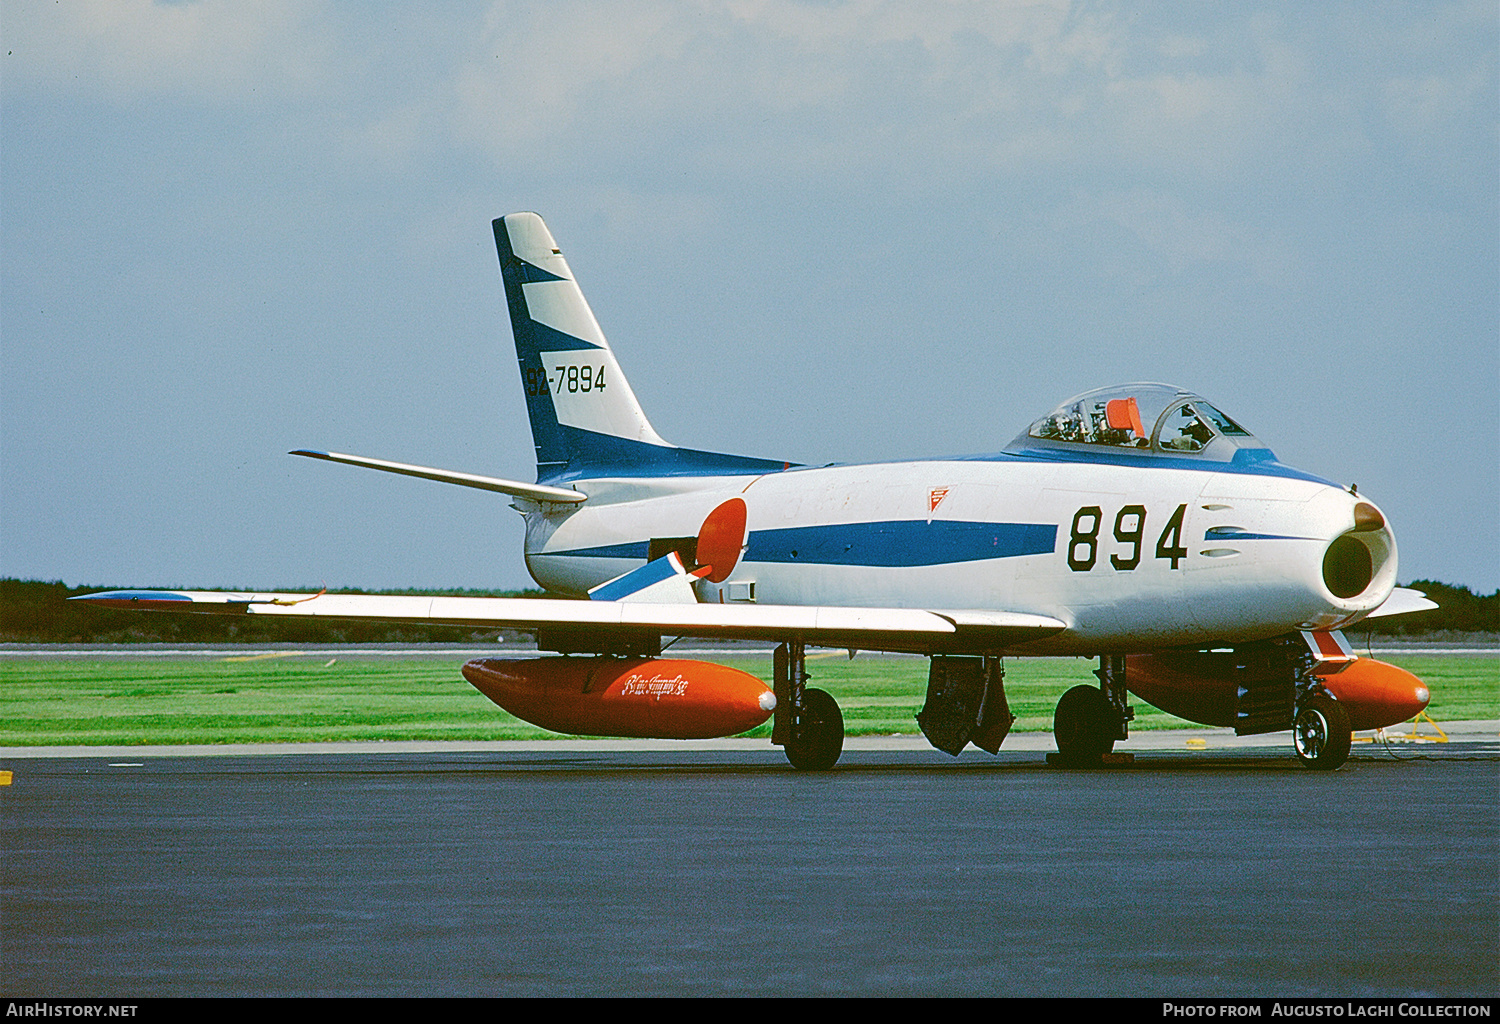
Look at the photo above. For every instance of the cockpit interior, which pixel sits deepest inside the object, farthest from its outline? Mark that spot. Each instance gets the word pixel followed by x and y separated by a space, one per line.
pixel 1147 419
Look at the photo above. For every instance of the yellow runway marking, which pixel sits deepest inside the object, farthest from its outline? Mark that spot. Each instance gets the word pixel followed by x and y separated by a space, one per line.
pixel 263 657
pixel 5 778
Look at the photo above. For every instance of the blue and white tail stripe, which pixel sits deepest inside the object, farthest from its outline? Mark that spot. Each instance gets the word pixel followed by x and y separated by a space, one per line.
pixel 585 419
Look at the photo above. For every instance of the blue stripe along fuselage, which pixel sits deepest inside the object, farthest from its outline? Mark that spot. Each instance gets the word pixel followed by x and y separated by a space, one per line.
pixel 1235 533
pixel 893 544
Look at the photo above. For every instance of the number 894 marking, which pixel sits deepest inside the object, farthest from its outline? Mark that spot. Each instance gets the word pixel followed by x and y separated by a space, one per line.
pixel 1130 531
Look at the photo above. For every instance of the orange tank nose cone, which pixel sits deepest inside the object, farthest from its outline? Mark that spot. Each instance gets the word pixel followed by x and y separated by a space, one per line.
pixel 1377 694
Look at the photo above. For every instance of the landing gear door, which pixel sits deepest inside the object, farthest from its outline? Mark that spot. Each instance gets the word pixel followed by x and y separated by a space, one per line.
pixel 965 704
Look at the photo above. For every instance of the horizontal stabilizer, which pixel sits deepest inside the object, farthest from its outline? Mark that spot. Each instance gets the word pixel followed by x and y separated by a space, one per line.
pixel 516 489
pixel 869 629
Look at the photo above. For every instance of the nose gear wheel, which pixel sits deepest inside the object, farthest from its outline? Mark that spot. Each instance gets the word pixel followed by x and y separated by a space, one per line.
pixel 1321 734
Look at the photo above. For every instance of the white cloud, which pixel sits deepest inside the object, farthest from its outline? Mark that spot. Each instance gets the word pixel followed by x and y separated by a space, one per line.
pixel 125 50
pixel 848 82
pixel 1184 237
pixel 791 91
pixel 1422 104
pixel 770 90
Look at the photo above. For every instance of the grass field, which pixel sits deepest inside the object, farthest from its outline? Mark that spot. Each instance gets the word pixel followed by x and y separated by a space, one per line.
pixel 297 698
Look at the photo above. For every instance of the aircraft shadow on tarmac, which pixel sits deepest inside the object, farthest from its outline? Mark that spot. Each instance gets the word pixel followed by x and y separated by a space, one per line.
pixel 855 763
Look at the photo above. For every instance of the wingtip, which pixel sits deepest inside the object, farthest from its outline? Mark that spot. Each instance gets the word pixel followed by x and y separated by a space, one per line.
pixel 309 453
pixel 133 598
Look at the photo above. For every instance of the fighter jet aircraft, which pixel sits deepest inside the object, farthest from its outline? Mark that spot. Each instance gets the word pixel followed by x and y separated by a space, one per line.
pixel 1138 524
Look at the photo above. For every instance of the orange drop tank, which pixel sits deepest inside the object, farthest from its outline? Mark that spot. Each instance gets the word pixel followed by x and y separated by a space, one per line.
pixel 641 697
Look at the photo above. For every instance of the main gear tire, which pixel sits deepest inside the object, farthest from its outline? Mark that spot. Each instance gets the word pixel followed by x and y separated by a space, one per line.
pixel 819 735
pixel 1083 727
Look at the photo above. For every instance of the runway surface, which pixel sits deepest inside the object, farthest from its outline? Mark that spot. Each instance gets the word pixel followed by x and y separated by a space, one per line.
pixel 676 871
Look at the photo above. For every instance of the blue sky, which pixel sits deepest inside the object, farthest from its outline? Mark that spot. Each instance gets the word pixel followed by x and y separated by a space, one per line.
pixel 812 231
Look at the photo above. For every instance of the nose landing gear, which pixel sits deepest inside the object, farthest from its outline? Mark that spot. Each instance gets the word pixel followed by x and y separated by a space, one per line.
pixel 1276 685
pixel 1321 733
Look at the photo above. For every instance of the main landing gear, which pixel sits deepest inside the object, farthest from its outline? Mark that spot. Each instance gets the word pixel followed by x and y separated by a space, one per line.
pixel 1089 719
pixel 808 723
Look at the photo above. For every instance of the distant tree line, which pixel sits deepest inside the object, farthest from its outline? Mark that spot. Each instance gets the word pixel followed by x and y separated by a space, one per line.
pixel 37 612
pixel 32 611
pixel 1459 611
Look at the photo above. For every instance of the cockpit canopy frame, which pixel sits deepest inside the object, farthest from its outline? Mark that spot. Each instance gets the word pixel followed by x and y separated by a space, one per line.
pixel 1144 418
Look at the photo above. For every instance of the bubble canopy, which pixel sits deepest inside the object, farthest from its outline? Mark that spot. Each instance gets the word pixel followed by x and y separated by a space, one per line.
pixel 1143 419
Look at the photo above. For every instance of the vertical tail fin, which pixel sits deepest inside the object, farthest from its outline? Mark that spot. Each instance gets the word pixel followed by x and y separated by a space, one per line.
pixel 585 419
pixel 572 381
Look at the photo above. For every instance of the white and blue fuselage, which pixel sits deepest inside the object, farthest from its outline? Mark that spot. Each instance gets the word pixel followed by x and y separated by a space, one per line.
pixel 1131 558
pixel 1140 516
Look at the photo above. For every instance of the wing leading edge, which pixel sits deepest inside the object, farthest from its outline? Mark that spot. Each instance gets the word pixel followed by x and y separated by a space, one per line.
pixel 895 629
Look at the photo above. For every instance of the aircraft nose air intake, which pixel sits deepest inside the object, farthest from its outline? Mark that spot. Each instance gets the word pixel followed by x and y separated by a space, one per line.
pixel 1359 564
pixel 1347 567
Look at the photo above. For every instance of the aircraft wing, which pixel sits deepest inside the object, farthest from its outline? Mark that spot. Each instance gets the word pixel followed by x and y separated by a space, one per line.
pixel 897 629
pixel 1403 601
